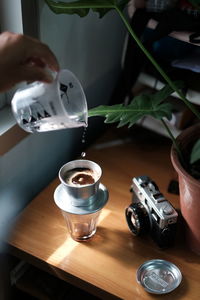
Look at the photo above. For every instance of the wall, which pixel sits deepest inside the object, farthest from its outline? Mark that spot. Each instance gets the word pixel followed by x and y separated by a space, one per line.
pixel 91 48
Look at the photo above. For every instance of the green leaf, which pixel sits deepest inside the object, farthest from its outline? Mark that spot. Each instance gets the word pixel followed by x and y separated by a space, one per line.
pixel 82 7
pixel 143 105
pixel 195 154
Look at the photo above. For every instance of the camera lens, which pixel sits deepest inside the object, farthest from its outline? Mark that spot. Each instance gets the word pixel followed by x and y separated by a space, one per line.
pixel 137 219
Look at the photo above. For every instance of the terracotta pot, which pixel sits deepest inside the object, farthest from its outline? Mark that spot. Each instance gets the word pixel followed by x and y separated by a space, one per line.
pixel 189 189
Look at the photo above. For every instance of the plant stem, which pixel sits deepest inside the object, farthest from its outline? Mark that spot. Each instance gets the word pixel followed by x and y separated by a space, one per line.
pixel 159 69
pixel 173 140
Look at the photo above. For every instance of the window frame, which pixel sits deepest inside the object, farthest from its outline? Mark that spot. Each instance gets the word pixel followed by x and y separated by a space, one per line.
pixel 15 16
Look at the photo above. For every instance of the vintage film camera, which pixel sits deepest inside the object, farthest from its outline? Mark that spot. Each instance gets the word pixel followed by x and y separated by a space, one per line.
pixel 151 212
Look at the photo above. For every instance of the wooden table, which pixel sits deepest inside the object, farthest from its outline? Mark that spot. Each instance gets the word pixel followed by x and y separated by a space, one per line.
pixel 106 265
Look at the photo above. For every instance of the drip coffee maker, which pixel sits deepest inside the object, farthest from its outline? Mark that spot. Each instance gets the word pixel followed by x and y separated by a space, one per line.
pixel 81 197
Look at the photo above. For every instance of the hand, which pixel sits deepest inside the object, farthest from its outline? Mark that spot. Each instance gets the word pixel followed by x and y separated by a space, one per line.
pixel 23 58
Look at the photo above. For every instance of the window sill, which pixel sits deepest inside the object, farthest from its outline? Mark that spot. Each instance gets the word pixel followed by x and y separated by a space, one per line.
pixel 10 133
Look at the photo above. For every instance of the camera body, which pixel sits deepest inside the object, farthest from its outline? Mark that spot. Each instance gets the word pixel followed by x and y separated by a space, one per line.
pixel 151 212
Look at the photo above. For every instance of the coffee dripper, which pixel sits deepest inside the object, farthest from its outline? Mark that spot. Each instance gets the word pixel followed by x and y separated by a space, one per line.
pixel 81 204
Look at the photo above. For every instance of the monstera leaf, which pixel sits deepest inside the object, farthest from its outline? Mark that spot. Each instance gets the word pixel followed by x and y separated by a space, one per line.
pixel 143 105
pixel 82 7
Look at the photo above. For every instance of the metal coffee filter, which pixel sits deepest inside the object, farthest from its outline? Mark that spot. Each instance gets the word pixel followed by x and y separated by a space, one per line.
pixel 65 201
pixel 84 192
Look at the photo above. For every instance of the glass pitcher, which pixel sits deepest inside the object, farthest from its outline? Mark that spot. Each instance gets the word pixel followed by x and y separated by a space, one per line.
pixel 40 107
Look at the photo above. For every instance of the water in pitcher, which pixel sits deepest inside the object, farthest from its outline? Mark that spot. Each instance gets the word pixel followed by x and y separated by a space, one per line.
pixel 46 124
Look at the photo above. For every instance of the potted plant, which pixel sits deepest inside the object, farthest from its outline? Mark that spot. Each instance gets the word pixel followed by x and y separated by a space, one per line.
pixel 185 152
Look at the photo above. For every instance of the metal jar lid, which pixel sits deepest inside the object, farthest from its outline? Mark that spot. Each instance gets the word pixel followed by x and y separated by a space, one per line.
pixel 159 276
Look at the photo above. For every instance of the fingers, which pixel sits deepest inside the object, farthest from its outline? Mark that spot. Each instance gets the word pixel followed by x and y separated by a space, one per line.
pixel 33 73
pixel 22 48
pixel 23 58
pixel 40 53
pixel 47 57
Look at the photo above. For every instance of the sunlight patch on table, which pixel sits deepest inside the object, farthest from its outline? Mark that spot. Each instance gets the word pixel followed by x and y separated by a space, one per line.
pixel 69 244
